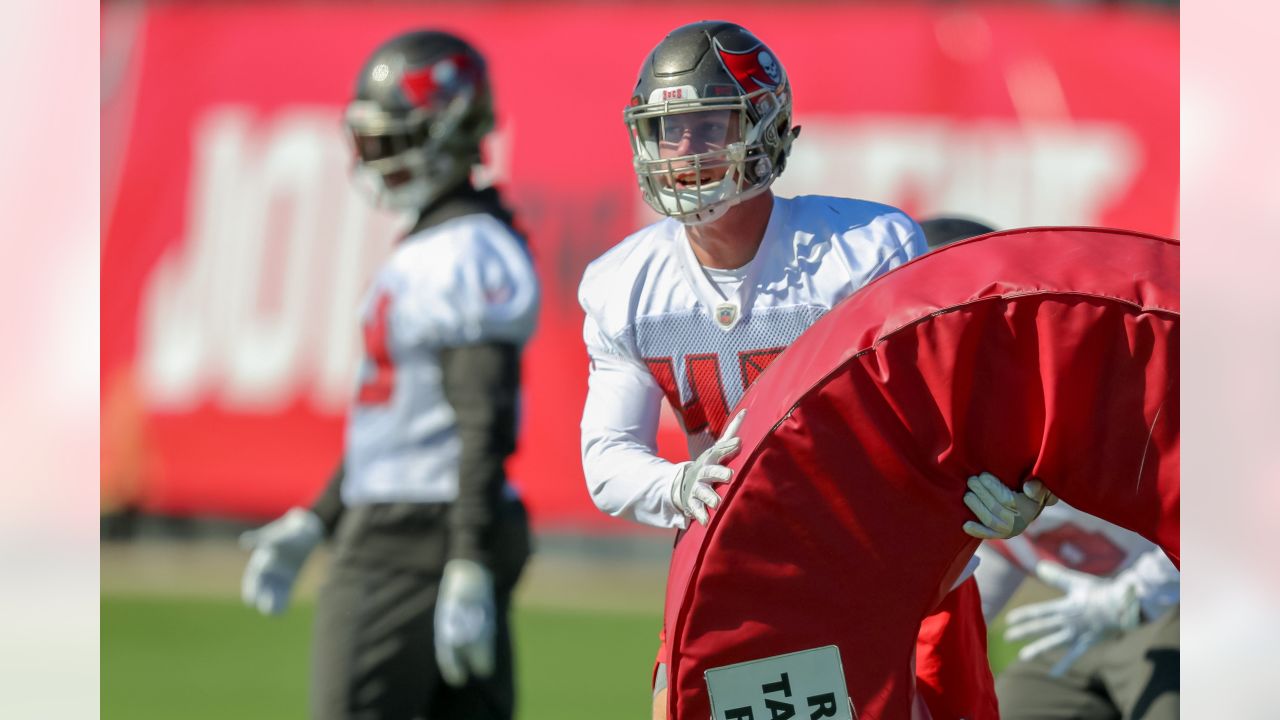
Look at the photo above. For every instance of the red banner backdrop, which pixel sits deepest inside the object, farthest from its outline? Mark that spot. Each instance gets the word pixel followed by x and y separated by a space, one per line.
pixel 235 251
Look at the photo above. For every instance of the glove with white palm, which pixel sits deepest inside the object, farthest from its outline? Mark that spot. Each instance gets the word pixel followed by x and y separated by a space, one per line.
pixel 1003 513
pixel 279 549
pixel 691 491
pixel 1093 608
pixel 465 622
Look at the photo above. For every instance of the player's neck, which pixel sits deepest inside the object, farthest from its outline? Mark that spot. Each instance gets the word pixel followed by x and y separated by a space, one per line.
pixel 731 241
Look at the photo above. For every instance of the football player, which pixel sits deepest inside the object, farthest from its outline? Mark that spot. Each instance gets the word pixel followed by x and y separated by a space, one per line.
pixel 1109 648
pixel 693 307
pixel 430 539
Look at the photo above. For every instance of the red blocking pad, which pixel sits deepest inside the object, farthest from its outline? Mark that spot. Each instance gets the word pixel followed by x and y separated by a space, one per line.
pixel 1042 352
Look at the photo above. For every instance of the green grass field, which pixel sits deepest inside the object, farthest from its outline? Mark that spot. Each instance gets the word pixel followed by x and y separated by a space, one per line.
pixel 197 658
pixel 165 658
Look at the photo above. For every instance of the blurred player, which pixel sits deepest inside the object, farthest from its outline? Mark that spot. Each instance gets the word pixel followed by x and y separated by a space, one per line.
pixel 430 540
pixel 695 306
pixel 1109 648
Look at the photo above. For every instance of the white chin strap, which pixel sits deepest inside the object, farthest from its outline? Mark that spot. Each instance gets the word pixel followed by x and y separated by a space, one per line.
pixel 710 213
pixel 717 210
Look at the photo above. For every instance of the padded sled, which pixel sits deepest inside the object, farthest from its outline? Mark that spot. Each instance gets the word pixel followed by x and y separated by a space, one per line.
pixel 1045 352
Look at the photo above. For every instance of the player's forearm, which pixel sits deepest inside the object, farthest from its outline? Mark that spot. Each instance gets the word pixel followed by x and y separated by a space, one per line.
pixel 481 383
pixel 998 579
pixel 626 480
pixel 1156 582
pixel 328 505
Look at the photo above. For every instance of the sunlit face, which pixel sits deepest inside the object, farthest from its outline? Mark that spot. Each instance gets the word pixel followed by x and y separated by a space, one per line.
pixel 695 133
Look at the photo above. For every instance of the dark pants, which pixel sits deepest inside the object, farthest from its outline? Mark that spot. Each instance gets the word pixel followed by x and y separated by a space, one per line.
pixel 373 656
pixel 1133 676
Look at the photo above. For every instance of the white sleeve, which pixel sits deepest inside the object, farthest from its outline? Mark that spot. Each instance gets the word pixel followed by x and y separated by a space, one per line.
pixel 624 475
pixel 914 243
pixel 911 240
pixel 1155 580
pixel 998 579
pixel 899 241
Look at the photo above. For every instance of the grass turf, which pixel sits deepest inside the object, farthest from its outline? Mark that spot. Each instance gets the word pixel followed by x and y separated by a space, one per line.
pixel 214 658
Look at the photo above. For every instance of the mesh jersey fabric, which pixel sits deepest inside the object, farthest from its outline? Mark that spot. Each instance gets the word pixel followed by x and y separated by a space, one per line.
pixel 656 327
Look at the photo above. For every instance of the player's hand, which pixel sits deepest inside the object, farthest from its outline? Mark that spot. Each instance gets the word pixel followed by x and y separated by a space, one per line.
pixel 279 550
pixel 465 622
pixel 692 492
pixel 1093 608
pixel 1001 512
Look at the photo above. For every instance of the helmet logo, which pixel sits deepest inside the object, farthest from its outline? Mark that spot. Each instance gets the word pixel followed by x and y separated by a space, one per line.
pixel 423 86
pixel 769 66
pixel 754 69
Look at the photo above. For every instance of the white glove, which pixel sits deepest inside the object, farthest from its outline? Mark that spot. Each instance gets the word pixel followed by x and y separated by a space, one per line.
pixel 465 622
pixel 691 490
pixel 1093 608
pixel 1002 512
pixel 279 550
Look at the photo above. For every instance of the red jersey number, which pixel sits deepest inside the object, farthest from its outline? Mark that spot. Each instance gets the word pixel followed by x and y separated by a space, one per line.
pixel 706 409
pixel 377 388
pixel 1088 551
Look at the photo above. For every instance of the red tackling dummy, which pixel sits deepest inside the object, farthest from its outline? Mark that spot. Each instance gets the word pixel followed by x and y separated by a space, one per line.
pixel 1044 352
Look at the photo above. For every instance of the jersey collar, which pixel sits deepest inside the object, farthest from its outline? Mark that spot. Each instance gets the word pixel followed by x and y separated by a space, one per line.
pixel 726 313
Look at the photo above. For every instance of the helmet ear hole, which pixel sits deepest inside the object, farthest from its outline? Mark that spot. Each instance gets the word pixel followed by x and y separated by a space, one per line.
pixel 762 169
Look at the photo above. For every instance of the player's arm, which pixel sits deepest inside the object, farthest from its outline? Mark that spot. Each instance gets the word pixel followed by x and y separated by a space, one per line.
pixel 281 547
pixel 998 579
pixel 1093 607
pixel 481 382
pixel 1156 582
pixel 624 474
pixel 328 505
pixel 912 238
pixel 901 241
pixel 475 310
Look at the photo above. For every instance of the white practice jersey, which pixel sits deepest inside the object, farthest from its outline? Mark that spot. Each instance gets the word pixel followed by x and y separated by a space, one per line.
pixel 465 281
pixel 1078 541
pixel 657 326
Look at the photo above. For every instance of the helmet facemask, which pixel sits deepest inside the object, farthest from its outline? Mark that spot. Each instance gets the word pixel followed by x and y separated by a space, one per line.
pixel 410 159
pixel 720 172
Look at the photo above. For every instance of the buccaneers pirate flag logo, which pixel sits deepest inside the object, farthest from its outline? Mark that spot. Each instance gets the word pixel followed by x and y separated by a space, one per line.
pixel 754 69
